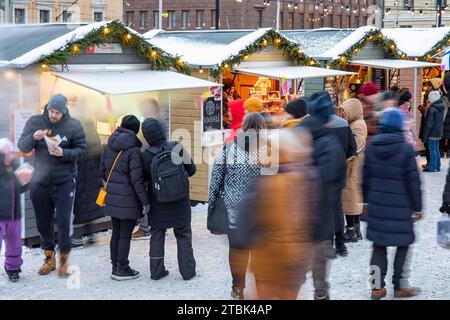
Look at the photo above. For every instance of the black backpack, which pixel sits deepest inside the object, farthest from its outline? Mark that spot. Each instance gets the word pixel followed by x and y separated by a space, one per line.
pixel 169 180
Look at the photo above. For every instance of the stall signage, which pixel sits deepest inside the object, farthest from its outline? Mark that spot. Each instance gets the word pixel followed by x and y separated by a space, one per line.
pixel 18 121
pixel 379 77
pixel 212 111
pixel 104 49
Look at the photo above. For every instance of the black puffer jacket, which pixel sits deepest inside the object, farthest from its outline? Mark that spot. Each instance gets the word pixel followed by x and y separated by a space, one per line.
pixel 89 179
pixel 51 169
pixel 10 190
pixel 126 190
pixel 165 215
pixel 434 121
pixel 329 160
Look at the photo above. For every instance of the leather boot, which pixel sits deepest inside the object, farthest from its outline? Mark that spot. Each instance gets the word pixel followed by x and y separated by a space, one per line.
pixel 63 265
pixel 49 263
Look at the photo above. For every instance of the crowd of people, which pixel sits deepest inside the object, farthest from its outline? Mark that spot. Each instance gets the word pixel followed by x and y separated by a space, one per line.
pixel 336 166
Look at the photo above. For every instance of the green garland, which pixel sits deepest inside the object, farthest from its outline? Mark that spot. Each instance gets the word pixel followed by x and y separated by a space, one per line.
pixel 445 42
pixel 374 37
pixel 112 32
pixel 271 38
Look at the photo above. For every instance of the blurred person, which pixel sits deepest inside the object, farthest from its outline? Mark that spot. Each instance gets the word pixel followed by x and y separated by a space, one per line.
pixel 279 223
pixel 88 180
pixel 409 126
pixel 237 113
pixel 174 214
pixel 296 111
pixel 254 104
pixel 149 108
pixel 433 85
pixel 369 95
pixel 391 188
pixel 347 140
pixel 433 130
pixel 329 160
pixel 235 169
pixel 127 196
pixel 352 202
pixel 53 186
pixel 10 210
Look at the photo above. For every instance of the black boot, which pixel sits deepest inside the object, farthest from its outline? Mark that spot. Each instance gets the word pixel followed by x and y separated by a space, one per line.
pixel 358 231
pixel 13 276
pixel 164 274
pixel 350 234
pixel 113 269
pixel 125 273
pixel 342 250
pixel 237 293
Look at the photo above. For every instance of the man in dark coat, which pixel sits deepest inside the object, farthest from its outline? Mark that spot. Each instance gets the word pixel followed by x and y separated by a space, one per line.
pixel 391 188
pixel 329 159
pixel 53 185
pixel 433 130
pixel 163 216
pixel 126 192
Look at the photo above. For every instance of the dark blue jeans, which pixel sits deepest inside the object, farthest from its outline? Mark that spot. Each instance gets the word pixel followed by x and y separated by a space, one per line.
pixel 435 156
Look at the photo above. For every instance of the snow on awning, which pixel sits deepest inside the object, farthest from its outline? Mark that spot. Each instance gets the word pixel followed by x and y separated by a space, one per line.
pixel 393 64
pixel 294 72
pixel 127 82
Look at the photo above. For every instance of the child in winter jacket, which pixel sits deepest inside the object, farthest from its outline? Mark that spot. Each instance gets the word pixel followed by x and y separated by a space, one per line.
pixel 10 219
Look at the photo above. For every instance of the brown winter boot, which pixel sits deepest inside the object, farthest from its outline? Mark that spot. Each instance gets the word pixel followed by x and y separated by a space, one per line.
pixel 49 263
pixel 63 265
pixel 378 294
pixel 406 292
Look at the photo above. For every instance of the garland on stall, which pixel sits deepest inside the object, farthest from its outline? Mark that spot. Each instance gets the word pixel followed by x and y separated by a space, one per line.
pixel 113 32
pixel 374 37
pixel 272 37
pixel 437 49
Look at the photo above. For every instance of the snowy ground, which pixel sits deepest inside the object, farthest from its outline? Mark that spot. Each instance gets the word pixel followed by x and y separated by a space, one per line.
pixel 348 276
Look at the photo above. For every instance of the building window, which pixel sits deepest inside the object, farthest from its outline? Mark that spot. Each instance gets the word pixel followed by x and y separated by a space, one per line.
pixel 143 19
pixel 156 19
pixel 213 18
pixel 339 21
pixel 408 4
pixel 185 19
pixel 44 16
pixel 19 16
pixel 281 20
pixel 98 16
pixel 347 22
pixel 291 20
pixel 130 18
pixel 301 20
pixel 171 19
pixel 260 18
pixel 330 21
pixel 200 18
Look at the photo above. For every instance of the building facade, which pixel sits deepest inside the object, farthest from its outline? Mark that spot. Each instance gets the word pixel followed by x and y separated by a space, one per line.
pixel 142 15
pixel 54 11
pixel 416 13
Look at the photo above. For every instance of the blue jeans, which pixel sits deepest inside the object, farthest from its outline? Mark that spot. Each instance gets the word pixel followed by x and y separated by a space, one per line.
pixel 435 156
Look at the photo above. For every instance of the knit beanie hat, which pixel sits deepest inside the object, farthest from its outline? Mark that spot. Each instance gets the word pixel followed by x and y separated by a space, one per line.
pixel 58 102
pixel 130 122
pixel 6 146
pixel 434 96
pixel 405 97
pixel 297 108
pixel 320 106
pixel 391 121
pixel 369 88
pixel 254 105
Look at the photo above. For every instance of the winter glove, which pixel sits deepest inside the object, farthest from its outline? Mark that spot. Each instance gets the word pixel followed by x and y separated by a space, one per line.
pixel 445 208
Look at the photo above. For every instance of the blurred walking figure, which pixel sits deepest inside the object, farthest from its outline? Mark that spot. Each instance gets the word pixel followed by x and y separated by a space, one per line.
pixel 53 186
pixel 88 180
pixel 237 113
pixel 329 160
pixel 281 222
pixel 409 126
pixel 127 196
pixel 391 188
pixel 10 210
pixel 352 201
pixel 235 169
pixel 165 179
pixel 296 111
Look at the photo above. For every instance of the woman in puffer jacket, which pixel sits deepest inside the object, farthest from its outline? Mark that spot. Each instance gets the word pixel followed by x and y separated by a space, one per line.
pixel 409 124
pixel 235 170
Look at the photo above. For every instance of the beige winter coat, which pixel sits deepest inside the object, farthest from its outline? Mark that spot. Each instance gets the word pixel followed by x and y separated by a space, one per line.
pixel 352 200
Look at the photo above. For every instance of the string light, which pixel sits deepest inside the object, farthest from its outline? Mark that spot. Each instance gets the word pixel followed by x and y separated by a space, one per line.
pixel 9 74
pixel 277 41
pixel 128 36
pixel 180 61
pixel 392 47
pixel 44 66
pixel 312 62
pixel 201 70
pixel 299 51
pixel 154 54
pixel 105 30
pixel 264 43
pixel 245 57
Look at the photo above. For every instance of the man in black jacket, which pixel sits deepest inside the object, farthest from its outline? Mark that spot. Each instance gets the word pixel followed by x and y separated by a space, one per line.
pixel 53 185
pixel 329 158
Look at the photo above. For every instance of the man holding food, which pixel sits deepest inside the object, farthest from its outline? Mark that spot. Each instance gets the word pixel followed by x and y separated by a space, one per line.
pixel 58 141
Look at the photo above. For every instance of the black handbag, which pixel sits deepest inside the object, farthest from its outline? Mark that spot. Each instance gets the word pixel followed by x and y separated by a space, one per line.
pixel 217 220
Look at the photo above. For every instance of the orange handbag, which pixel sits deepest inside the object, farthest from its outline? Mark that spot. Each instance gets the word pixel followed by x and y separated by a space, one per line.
pixel 101 198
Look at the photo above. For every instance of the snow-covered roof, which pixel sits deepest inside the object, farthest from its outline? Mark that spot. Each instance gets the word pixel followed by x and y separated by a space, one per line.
pixel 416 42
pixel 22 45
pixel 327 43
pixel 393 63
pixel 293 72
pixel 204 48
